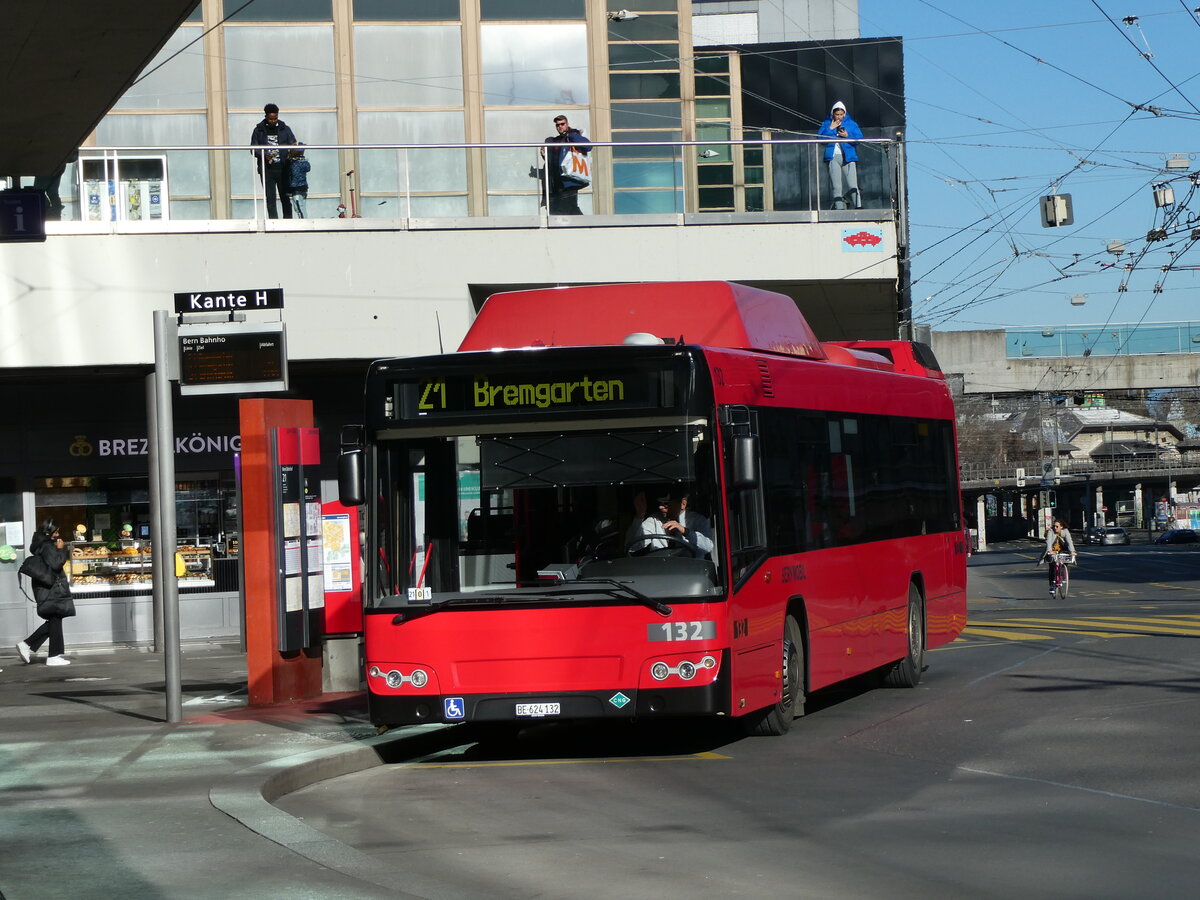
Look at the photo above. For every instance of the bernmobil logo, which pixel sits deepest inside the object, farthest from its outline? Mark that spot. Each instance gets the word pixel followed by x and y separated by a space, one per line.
pixel 793 573
pixel 859 240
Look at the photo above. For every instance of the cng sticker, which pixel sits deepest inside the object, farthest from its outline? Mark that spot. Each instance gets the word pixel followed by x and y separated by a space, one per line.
pixel 619 700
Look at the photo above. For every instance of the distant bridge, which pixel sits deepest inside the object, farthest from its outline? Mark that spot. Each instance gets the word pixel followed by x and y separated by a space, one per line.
pixel 978 479
pixel 1077 358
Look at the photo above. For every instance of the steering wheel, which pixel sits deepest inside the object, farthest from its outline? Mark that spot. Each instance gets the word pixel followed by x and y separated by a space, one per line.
pixel 665 536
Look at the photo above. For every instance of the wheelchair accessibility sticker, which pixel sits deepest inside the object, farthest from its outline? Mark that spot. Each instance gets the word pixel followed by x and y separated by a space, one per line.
pixel 454 708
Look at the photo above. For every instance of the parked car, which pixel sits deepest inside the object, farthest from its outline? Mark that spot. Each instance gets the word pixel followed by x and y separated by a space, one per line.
pixel 1177 536
pixel 1093 534
pixel 1114 534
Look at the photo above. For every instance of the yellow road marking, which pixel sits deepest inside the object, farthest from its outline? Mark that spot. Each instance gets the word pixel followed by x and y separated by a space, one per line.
pixel 1160 628
pixel 1170 587
pixel 557 762
pixel 1132 626
pixel 1008 635
pixel 1109 622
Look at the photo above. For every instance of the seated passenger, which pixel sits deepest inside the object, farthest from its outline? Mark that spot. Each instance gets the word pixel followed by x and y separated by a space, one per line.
pixel 673 518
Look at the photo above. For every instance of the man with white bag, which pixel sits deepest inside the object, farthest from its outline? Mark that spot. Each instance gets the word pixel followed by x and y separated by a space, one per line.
pixel 568 167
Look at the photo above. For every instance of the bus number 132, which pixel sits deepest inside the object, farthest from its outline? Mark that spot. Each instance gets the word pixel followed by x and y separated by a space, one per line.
pixel 682 631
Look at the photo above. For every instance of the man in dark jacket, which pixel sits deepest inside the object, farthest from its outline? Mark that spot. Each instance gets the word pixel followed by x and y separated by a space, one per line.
pixel 563 193
pixel 272 164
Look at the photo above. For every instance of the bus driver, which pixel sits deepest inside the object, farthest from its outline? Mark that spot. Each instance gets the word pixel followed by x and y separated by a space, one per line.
pixel 673 518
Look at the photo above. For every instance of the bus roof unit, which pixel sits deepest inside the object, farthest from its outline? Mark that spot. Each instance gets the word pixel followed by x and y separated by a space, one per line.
pixel 706 313
pixel 910 357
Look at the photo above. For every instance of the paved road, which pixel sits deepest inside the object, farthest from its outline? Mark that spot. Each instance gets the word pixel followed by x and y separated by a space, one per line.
pixel 1051 752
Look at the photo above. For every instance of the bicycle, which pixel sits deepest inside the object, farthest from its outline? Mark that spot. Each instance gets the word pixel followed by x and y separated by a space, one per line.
pixel 1061 580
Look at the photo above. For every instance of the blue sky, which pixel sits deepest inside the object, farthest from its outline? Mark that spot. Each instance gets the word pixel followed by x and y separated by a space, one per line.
pixel 1011 100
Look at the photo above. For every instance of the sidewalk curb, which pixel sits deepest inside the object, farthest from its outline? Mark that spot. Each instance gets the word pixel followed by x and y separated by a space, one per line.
pixel 247 797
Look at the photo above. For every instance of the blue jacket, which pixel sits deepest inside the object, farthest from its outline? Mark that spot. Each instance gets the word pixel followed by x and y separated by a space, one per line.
pixel 849 154
pixel 298 174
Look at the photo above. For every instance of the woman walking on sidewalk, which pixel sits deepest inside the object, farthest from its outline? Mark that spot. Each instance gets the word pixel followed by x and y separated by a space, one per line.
pixel 47 544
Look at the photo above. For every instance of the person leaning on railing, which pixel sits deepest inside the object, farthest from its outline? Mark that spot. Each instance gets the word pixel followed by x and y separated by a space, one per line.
pixel 841 156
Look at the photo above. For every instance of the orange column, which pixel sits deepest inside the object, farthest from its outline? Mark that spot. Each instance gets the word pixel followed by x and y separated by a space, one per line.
pixel 274 677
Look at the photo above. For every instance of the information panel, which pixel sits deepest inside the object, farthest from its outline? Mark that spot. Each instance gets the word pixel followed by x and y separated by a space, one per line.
pixel 301 597
pixel 233 358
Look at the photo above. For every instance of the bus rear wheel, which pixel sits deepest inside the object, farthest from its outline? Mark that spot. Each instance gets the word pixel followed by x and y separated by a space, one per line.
pixel 907 672
pixel 777 719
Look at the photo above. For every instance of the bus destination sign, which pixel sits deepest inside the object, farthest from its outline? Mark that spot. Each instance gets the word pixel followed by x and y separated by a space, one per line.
pixel 225 359
pixel 492 393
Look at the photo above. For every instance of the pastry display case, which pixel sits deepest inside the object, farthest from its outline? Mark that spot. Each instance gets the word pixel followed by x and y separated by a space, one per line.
pixel 96 567
pixel 197 566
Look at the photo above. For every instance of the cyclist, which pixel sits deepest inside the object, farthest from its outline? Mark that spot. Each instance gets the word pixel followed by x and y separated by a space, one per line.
pixel 1058 540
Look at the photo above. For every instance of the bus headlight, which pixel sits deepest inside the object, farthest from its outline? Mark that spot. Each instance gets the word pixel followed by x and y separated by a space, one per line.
pixel 396 678
pixel 684 667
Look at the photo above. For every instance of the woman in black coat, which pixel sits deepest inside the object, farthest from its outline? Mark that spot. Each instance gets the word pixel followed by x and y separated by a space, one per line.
pixel 47 544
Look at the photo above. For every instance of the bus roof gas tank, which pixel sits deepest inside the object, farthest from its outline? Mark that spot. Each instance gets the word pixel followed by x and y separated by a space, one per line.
pixel 705 313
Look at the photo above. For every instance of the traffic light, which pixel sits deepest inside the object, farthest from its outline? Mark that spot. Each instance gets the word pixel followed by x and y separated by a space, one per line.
pixel 1051 499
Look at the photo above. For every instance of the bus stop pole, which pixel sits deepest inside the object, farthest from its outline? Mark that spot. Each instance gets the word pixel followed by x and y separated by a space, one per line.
pixel 163 437
pixel 158 577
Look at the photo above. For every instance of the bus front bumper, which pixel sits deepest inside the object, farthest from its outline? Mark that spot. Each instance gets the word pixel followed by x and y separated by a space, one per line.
pixel 618 704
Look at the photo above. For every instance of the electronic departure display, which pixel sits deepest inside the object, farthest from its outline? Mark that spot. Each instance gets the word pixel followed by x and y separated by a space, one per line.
pixel 598 388
pixel 223 359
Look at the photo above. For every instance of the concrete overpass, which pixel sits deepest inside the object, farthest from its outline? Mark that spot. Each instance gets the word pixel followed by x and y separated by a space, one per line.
pixel 1072 359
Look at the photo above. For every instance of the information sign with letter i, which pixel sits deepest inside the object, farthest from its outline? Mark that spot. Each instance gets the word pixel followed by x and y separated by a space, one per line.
pixel 301 598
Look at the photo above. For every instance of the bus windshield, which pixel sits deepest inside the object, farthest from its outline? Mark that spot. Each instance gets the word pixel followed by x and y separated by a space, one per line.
pixel 551 514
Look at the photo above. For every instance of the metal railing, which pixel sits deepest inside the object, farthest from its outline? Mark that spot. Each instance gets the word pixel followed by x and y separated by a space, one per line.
pixel 1147 338
pixel 454 184
pixel 1102 465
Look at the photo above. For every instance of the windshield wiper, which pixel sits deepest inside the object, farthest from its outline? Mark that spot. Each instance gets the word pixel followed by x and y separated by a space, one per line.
pixel 657 605
pixel 549 592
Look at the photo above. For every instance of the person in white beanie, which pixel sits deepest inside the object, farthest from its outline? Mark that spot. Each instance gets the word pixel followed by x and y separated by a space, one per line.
pixel 841 156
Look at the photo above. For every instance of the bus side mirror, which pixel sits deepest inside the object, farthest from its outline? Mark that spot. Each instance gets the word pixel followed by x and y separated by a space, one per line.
pixel 746 474
pixel 352 489
pixel 351 485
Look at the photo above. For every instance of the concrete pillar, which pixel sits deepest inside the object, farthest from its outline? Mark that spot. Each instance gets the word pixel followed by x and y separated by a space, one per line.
pixel 1099 507
pixel 981 521
pixel 1138 512
pixel 342 671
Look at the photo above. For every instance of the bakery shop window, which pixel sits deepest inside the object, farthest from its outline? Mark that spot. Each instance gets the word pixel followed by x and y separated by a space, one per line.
pixel 107 521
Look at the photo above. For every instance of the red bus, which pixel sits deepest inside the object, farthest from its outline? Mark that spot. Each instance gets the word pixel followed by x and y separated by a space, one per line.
pixel 652 500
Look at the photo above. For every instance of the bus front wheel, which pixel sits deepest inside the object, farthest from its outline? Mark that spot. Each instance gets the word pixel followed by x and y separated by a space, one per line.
pixel 777 719
pixel 907 672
